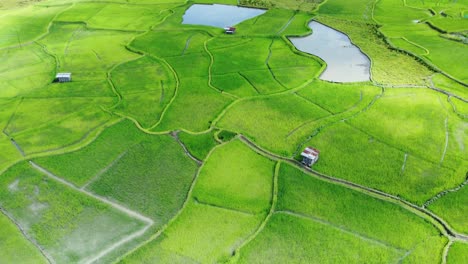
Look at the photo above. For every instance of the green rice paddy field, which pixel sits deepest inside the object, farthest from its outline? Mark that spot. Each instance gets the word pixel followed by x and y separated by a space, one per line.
pixel 177 143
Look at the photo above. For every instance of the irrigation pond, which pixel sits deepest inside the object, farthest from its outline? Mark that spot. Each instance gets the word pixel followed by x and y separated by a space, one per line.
pixel 345 62
pixel 219 15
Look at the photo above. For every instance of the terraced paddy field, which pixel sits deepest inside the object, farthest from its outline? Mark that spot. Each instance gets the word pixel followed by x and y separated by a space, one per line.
pixel 175 142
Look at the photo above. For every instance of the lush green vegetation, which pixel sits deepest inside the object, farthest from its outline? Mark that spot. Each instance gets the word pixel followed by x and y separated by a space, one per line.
pixel 199 145
pixel 202 233
pixel 453 207
pixel 288 234
pixel 136 169
pixel 401 21
pixel 147 178
pixel 370 228
pixel 275 117
pixel 457 253
pixel 14 248
pixel 177 143
pixel 69 225
pixel 146 86
pixel 388 65
pixel 235 177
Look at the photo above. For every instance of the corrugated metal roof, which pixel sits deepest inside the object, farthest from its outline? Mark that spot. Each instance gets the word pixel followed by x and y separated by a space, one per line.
pixel 63 75
pixel 310 152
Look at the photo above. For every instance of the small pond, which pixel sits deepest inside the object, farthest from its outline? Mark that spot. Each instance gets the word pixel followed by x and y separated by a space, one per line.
pixel 219 15
pixel 345 62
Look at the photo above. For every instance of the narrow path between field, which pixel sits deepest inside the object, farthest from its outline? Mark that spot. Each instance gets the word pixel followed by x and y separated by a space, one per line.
pixel 104 170
pixel 446 251
pixel 31 240
pixel 274 201
pixel 175 135
pixel 104 200
pixel 184 205
pixel 436 220
pixel 445 192
pixel 149 222
pixel 446 140
pixel 344 230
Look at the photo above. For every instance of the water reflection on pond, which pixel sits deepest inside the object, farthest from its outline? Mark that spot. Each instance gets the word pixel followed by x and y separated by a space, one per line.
pixel 219 15
pixel 345 62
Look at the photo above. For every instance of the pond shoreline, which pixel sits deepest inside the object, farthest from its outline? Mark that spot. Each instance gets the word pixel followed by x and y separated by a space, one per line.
pixel 365 62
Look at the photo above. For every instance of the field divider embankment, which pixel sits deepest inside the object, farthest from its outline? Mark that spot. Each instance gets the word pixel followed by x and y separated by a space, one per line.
pixel 249 82
pixel 445 192
pixel 149 222
pixel 433 87
pixel 220 207
pixel 454 108
pixel 343 116
pixel 447 133
pixel 175 135
pixel 20 45
pixel 25 235
pixel 274 202
pixel 104 170
pixel 421 59
pixel 210 75
pixel 267 64
pixel 435 220
pixel 118 244
pixel 188 199
pixel 446 251
pixel 119 207
pixel 339 228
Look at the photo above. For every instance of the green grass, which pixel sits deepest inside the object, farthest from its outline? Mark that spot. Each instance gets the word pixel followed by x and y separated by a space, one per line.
pixel 345 153
pixel 442 82
pixel 148 178
pixel 225 136
pixel 291 69
pixel 14 247
pixel 24 70
pixel 418 122
pixel 9 153
pixel 268 120
pixel 135 59
pixel 193 93
pixel 298 24
pixel 445 54
pixel 354 10
pixel 102 15
pixel 285 4
pixel 181 42
pixel 20 27
pixel 337 98
pixel 236 177
pixel 67 224
pixel 201 233
pixel 457 253
pixel 289 238
pixel 355 212
pixel 80 166
pixel 88 54
pixel 203 102
pixel 272 23
pixel 453 207
pixel 136 169
pixel 198 145
pixel 388 66
pixel 61 122
pixel 234 69
pixel 146 86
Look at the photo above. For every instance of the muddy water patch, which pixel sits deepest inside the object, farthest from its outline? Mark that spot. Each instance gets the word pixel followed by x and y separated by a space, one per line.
pixel 345 61
pixel 218 15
